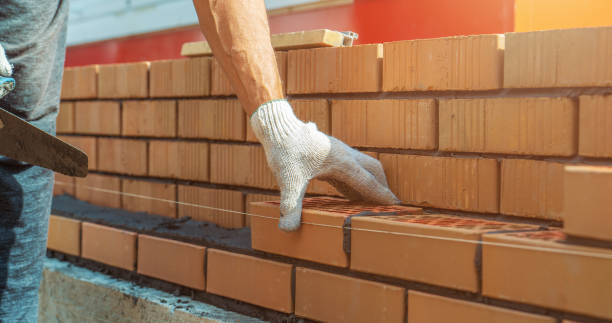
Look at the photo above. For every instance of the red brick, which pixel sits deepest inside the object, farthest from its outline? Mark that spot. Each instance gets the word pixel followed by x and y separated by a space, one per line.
pixel 180 77
pixel 240 165
pixel 426 308
pixel 409 124
pixel 595 138
pixel 531 188
pixel 250 198
pixel 149 118
pixel 316 111
pixel 179 159
pixel 520 126
pixel 157 198
pixel 328 297
pixel 542 269
pixel 65 118
pixel 212 198
pixel 450 63
pixel 177 262
pixel 321 243
pixel 335 69
pixel 124 156
pixel 80 82
pixel 249 279
pixel 88 145
pixel 93 189
pixel 124 80
pixel 587 203
pixel 393 246
pixel 220 84
pixel 109 246
pixel 469 184
pixel 213 119
pixel 97 117
pixel 64 235
pixel 558 58
pixel 64 185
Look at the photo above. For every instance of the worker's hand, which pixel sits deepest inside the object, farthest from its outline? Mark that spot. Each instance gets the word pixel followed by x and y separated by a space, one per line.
pixel 297 152
pixel 6 70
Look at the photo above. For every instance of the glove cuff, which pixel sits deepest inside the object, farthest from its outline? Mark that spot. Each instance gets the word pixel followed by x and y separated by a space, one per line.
pixel 275 121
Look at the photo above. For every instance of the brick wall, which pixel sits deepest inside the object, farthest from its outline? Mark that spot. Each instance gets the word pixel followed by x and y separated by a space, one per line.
pixel 480 125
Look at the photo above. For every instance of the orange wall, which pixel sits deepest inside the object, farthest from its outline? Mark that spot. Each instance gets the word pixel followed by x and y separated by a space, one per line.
pixel 557 14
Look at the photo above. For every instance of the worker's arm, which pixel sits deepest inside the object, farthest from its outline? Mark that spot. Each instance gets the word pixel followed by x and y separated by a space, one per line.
pixel 239 36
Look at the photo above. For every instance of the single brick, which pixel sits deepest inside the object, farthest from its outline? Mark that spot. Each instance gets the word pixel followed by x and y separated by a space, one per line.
pixel 469 184
pixel 328 297
pixel 80 82
pixel 213 119
pixel 322 243
pixel 335 69
pixel 149 118
pixel 393 246
pixel 548 272
pixel 450 63
pixel 427 308
pixel 64 235
pixel 525 126
pixel 180 77
pixel 531 188
pixel 240 165
pixel 100 190
pixel 409 124
pixel 250 198
pixel 220 84
pixel 65 118
pixel 179 159
pixel 316 111
pixel 157 198
pixel 177 262
pixel 595 138
pixel 558 58
pixel 214 201
pixel 97 118
pixel 124 156
pixel 88 145
pixel 249 279
pixel 64 185
pixel 124 80
pixel 587 203
pixel 108 245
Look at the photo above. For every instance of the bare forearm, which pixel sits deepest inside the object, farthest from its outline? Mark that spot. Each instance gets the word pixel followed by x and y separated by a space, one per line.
pixel 239 35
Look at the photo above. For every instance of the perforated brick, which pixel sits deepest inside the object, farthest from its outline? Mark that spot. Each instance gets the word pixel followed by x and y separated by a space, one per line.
pixel 554 274
pixel 320 238
pixel 101 190
pixel 65 118
pixel 595 138
pixel 123 156
pixel 155 118
pixel 148 196
pixel 393 246
pixel 179 159
pixel 127 80
pixel 187 77
pixel 97 118
pixel 212 119
pixel 80 82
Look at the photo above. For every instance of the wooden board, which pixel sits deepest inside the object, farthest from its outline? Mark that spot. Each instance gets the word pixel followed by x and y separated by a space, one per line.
pixel 294 40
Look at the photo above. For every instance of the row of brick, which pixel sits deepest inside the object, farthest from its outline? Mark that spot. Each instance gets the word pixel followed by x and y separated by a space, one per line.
pixel 521 187
pixel 161 198
pixel 518 274
pixel 519 126
pixel 316 295
pixel 560 58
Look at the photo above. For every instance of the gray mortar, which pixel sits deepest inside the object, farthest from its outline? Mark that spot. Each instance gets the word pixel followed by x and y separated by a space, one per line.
pixel 70 293
pixel 184 229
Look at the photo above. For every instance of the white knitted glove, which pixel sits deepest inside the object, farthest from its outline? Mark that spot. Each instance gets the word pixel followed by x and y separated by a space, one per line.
pixel 297 152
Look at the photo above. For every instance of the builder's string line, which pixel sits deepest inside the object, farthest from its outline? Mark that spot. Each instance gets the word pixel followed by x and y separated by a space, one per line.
pixel 414 235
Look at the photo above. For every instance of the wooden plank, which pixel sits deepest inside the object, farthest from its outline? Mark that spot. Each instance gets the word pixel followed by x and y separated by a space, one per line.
pixel 294 40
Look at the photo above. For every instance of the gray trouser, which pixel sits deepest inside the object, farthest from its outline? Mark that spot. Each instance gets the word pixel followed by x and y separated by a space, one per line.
pixel 33 32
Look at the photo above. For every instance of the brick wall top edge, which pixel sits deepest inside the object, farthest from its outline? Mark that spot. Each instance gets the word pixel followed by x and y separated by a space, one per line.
pixel 500 36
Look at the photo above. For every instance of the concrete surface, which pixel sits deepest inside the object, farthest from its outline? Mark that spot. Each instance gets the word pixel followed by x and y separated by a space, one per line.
pixel 73 294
